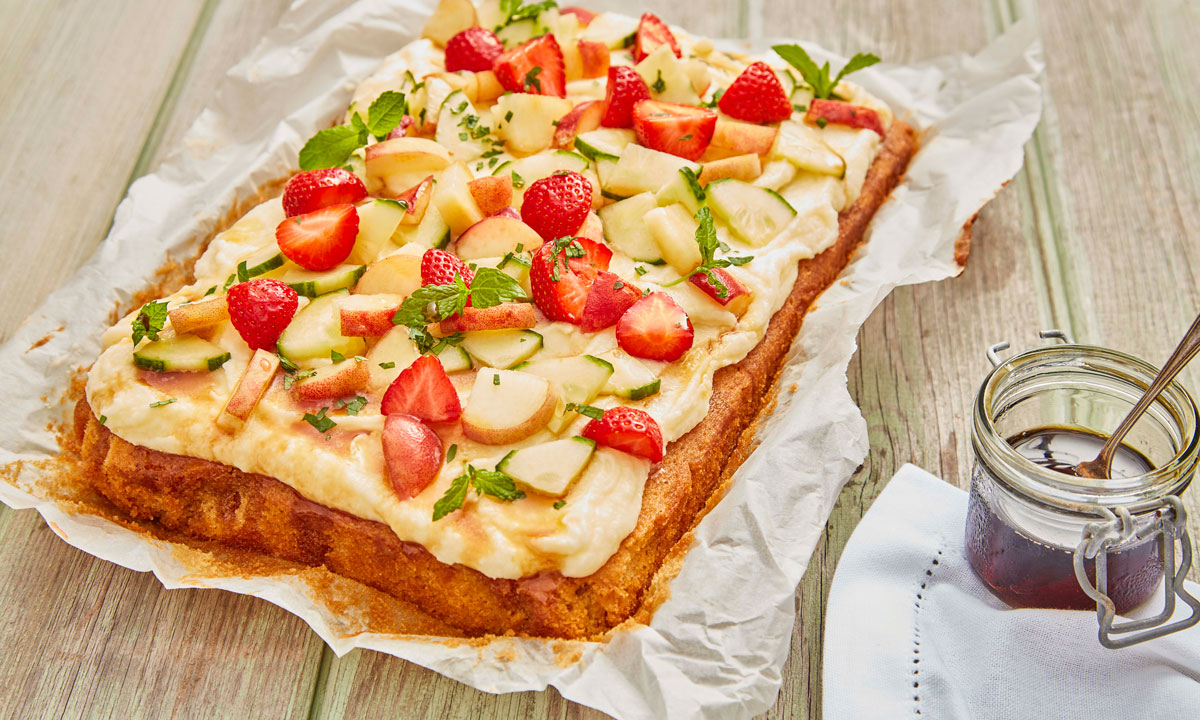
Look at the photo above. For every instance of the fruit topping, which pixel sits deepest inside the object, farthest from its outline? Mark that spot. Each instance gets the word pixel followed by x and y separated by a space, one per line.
pixel 557 206
pixel 474 49
pixel 757 96
pixel 424 391
pixel 561 277
pixel 625 89
pixel 628 430
pixel 319 240
pixel 681 130
pixel 412 453
pixel 655 328
pixel 607 301
pixel 533 67
pixel 651 33
pixel 260 310
pixel 314 189
pixel 821 112
pixel 439 267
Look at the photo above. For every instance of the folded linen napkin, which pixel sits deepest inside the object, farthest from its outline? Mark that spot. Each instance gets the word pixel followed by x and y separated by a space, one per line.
pixel 911 632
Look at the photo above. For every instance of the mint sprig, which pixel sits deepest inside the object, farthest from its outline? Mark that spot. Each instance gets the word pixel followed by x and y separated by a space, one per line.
pixel 485 482
pixel 332 147
pixel 706 239
pixel 818 77
pixel 149 321
pixel 513 10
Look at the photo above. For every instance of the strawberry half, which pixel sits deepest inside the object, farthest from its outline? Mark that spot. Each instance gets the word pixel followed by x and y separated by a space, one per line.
pixel 756 96
pixel 535 66
pixel 655 328
pixel 439 267
pixel 423 391
pixel 625 89
pixel 559 282
pixel 843 113
pixel 651 33
pixel 607 301
pixel 681 130
pixel 319 240
pixel 474 49
pixel 314 189
pixel 628 430
pixel 260 310
pixel 556 206
pixel 596 254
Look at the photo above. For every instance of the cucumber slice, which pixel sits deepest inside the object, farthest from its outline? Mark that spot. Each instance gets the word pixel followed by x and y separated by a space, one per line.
pixel 754 214
pixel 501 348
pixel 605 164
pixel 431 232
pixel 625 228
pixel 454 359
pixel 803 147
pixel 262 262
pixel 683 188
pixel 641 169
pixel 605 141
pixel 630 379
pixel 803 96
pixel 316 331
pixel 460 129
pixel 549 468
pixel 311 283
pixel 517 32
pixel 183 353
pixel 576 379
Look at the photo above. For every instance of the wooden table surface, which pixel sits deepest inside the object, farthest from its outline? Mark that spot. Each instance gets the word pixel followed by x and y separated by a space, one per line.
pixel 1097 235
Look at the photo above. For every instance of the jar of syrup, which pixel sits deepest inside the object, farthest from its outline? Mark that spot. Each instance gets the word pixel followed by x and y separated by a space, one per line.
pixel 1038 534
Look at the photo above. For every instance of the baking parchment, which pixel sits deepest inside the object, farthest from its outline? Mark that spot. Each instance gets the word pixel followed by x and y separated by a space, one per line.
pixel 716 647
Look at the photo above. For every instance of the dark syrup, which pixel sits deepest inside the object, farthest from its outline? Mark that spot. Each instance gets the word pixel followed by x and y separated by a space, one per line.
pixel 1025 572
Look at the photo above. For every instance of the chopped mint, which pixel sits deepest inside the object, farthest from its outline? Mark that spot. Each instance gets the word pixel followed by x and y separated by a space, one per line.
pixel 591 411
pixel 387 365
pixel 103 419
pixel 451 452
pixel 559 505
pixel 160 403
pixel 320 421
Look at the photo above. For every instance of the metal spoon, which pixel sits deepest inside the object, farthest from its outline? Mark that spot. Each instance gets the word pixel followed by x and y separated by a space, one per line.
pixel 1101 467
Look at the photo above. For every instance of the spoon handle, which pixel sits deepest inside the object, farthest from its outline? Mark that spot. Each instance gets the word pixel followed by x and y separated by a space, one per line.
pixel 1184 352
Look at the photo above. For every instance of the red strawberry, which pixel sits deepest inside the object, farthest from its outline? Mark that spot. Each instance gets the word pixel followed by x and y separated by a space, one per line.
pixel 474 49
pixel 423 391
pixel 682 130
pixel 585 16
pixel 628 430
pixel 843 113
pixel 655 328
pixel 515 68
pixel 595 254
pixel 560 283
pixel 756 96
pixel 319 240
pixel 260 310
pixel 651 33
pixel 625 89
pixel 439 267
pixel 556 206
pixel 314 189
pixel 607 301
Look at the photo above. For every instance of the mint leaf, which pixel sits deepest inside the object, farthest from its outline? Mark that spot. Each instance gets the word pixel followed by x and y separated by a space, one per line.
pixel 496 484
pixel 492 287
pixel 818 77
pixel 706 239
pixel 331 147
pixel 455 495
pixel 150 321
pixel 858 62
pixel 413 311
pixel 386 112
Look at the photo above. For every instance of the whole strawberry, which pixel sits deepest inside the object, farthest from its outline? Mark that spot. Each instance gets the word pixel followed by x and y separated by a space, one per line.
pixel 756 96
pixel 439 267
pixel 474 49
pixel 260 310
pixel 314 189
pixel 625 89
pixel 557 206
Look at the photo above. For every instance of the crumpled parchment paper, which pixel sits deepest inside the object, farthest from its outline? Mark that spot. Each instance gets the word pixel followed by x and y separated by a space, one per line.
pixel 716 647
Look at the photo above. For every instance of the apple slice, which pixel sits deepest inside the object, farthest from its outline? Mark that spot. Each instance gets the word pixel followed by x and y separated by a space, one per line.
pixel 743 137
pixel 449 19
pixel 492 193
pixel 487 87
pixel 412 453
pixel 499 317
pixel 741 167
pixel 506 406
pixel 334 381
pixel 393 275
pixel 736 296
pixel 394 352
pixel 584 117
pixel 368 315
pixel 250 388
pixel 495 236
pixel 202 313
pixel 453 199
pixel 526 122
pixel 417 199
pixel 398 164
pixel 592 228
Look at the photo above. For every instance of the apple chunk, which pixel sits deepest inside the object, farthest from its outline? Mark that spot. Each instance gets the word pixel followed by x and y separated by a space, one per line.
pixel 449 19
pixel 388 357
pixel 492 193
pixel 498 317
pixel 494 237
pixel 394 275
pixel 453 199
pixel 368 315
pixel 249 390
pixel 507 406
pixel 333 381
pixel 399 164
pixel 743 137
pixel 526 122
pixel 193 316
pixel 741 167
pixel 412 453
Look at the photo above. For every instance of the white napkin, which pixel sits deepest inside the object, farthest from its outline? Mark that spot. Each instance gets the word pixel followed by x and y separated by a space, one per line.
pixel 910 631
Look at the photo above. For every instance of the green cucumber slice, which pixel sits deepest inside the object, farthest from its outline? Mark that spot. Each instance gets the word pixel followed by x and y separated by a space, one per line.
pixel 431 232
pixel 630 379
pixel 501 349
pixel 576 380
pixel 316 331
pixel 183 353
pixel 683 188
pixel 641 169
pixel 263 261
pixel 517 32
pixel 454 359
pixel 604 141
pixel 312 283
pixel 549 468
pixel 625 228
pixel 754 214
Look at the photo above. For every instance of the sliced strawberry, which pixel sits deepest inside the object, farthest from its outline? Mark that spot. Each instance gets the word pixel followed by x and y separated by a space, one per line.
pixel 474 49
pixel 585 16
pixel 607 301
pixel 314 189
pixel 681 130
pixel 655 328
pixel 319 240
pixel 423 391
pixel 756 96
pixel 629 430
pixel 556 206
pixel 651 33
pixel 843 113
pixel 535 66
pixel 625 89
pixel 596 254
pixel 260 310
pixel 559 282
pixel 439 267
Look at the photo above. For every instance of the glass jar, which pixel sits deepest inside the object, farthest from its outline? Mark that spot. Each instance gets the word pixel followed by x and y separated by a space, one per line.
pixel 1040 537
